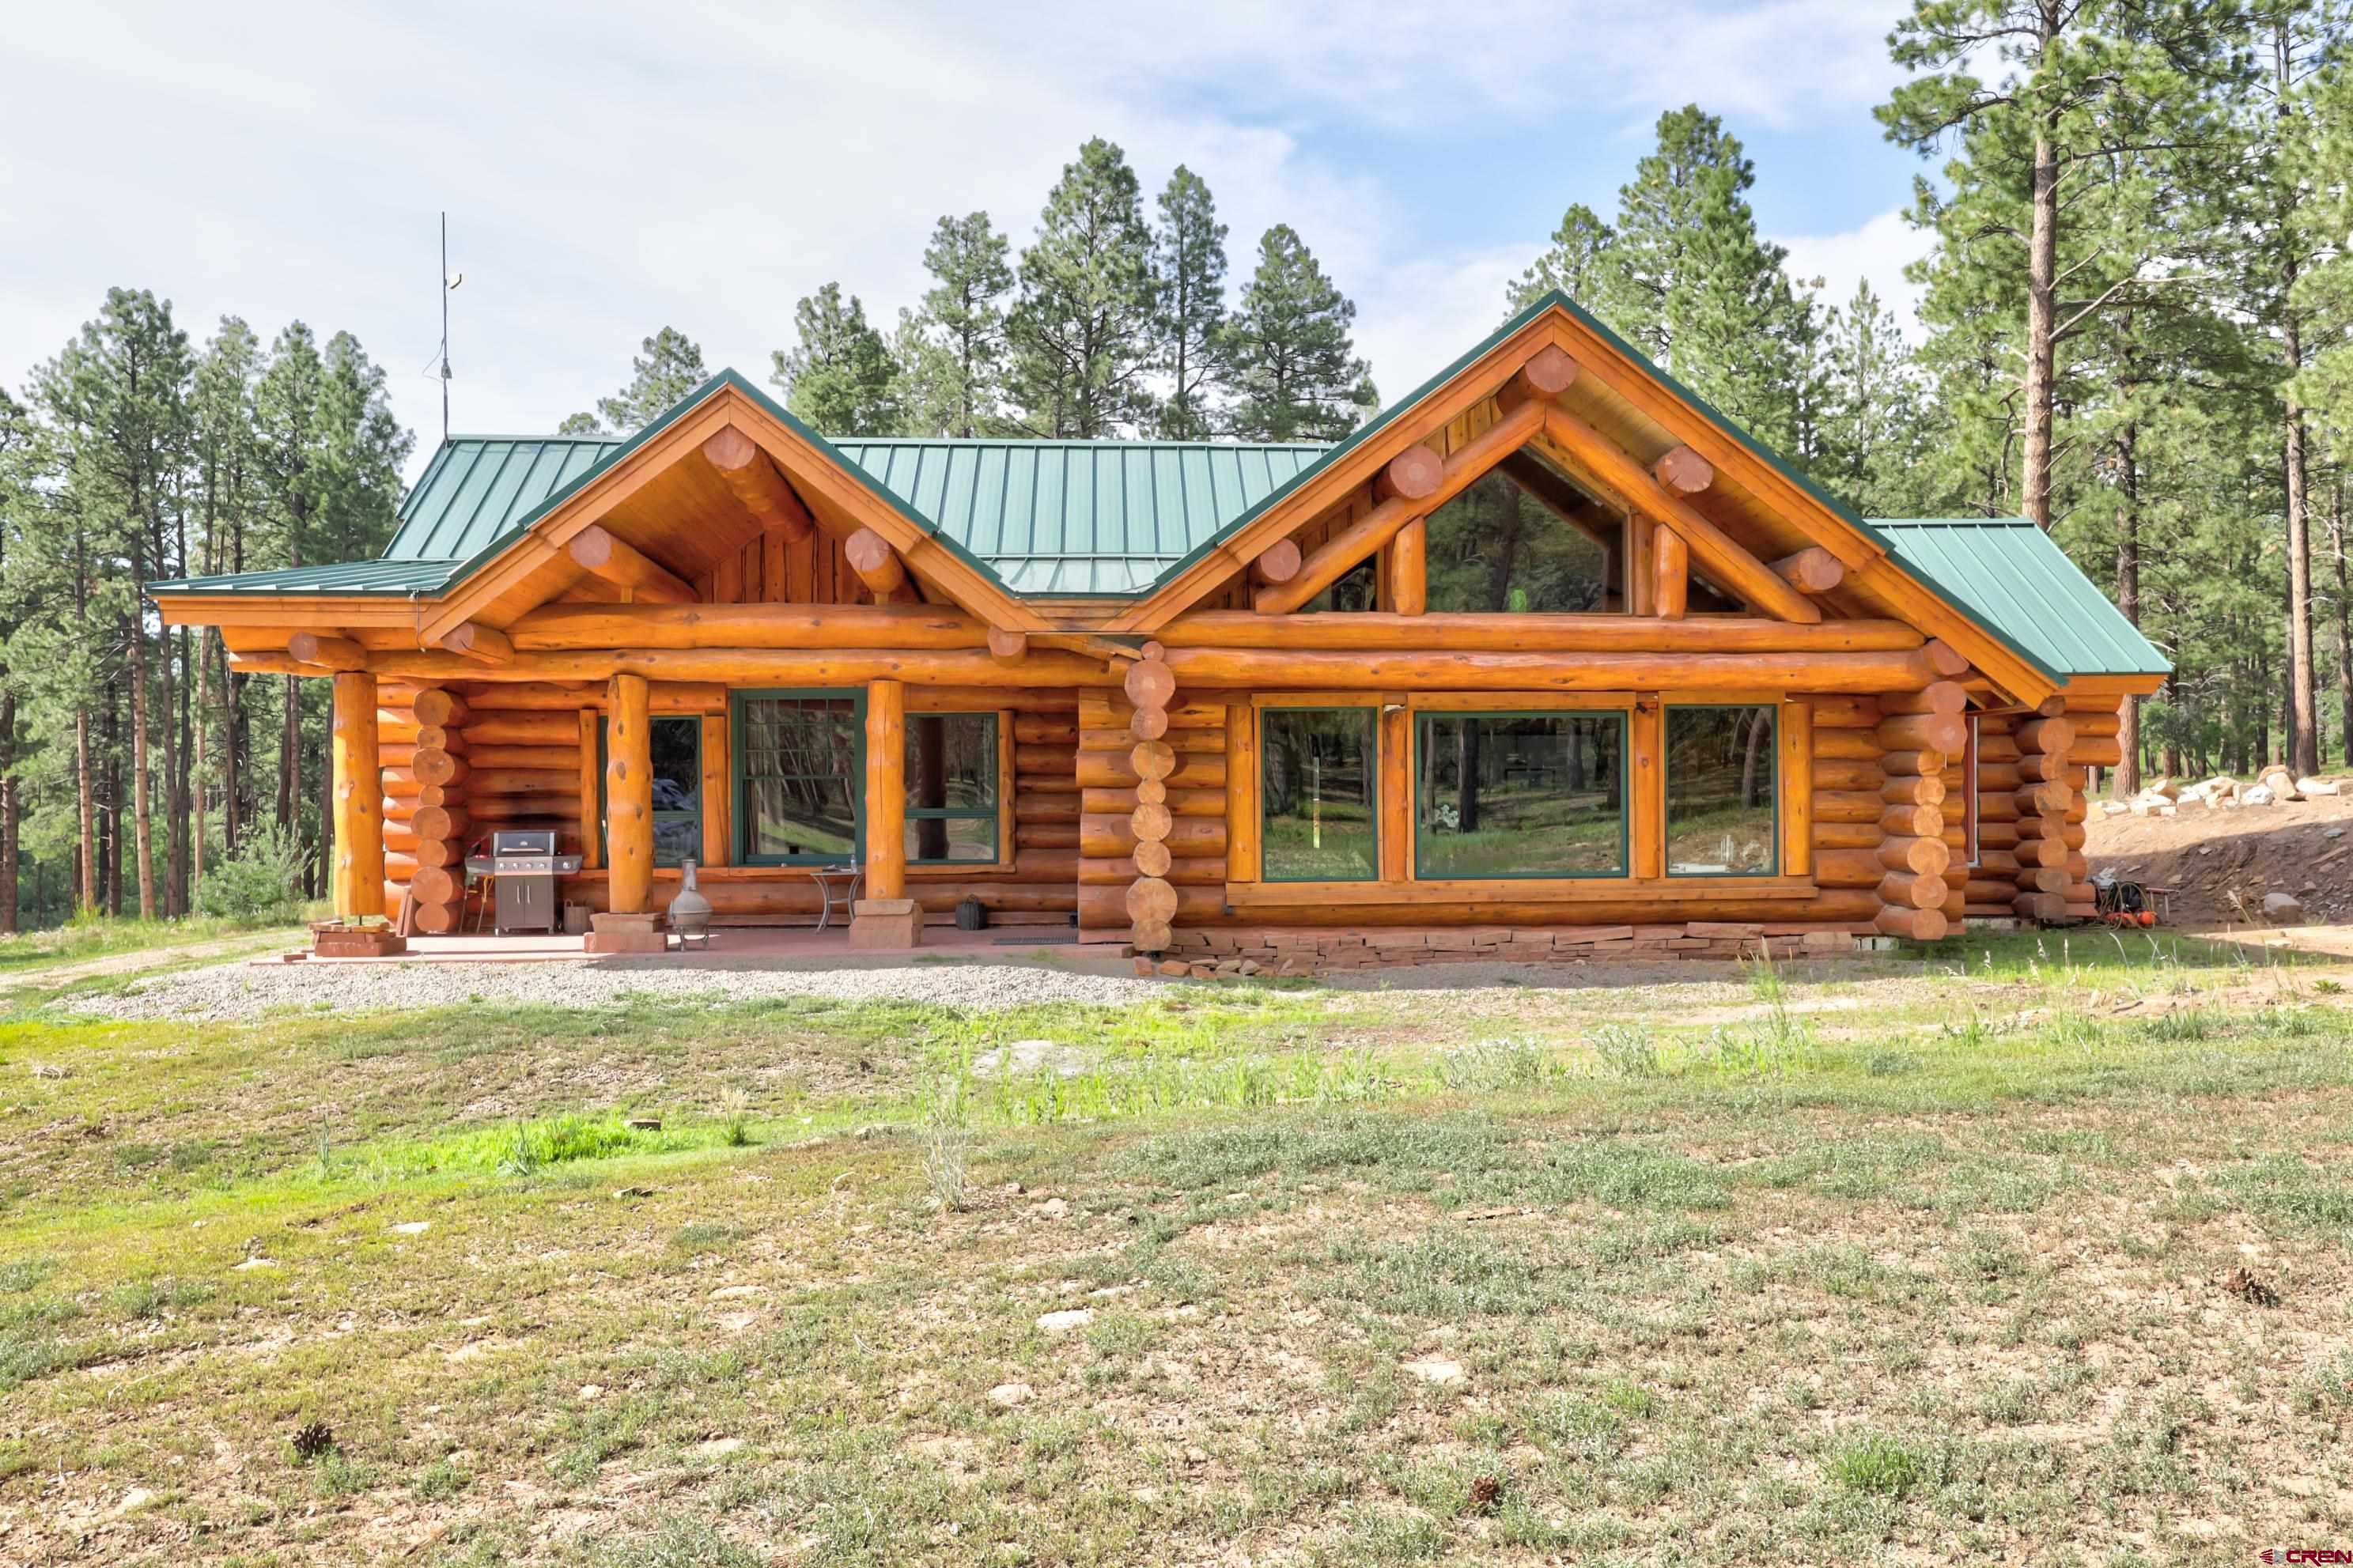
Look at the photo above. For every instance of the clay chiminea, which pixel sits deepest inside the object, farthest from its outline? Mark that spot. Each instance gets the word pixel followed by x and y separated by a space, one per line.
pixel 689 913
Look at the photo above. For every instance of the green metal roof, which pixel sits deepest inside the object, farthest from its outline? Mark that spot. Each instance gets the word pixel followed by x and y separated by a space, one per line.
pixel 477 487
pixel 1080 518
pixel 415 576
pixel 2013 579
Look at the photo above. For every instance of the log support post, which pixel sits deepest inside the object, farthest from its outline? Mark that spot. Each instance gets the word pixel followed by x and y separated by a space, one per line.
pixel 1409 566
pixel 359 799
pixel 1670 573
pixel 885 919
pixel 629 796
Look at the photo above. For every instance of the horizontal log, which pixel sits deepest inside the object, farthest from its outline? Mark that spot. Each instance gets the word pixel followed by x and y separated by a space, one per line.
pixel 492 727
pixel 1110 838
pixel 1848 806
pixel 795 898
pixel 482 645
pixel 1923 733
pixel 1835 713
pixel 1108 770
pixel 1923 857
pixel 1207 872
pixel 1847 745
pixel 507 810
pixel 1436 670
pixel 1848 867
pixel 433 705
pixel 2042 799
pixel 1913 791
pixel 1028 834
pixel 1179 740
pixel 1898 765
pixel 1812 570
pixel 1044 729
pixel 1906 889
pixel 1916 925
pixel 1105 908
pixel 1839 773
pixel 2045 909
pixel 1846 835
pixel 1913 821
pixel 743 467
pixel 1466 632
pixel 1110 711
pixel 572 628
pixel 526 757
pixel 1031 807
pixel 762 667
pixel 2053 736
pixel 1118 801
pixel 327 651
pixel 1048 760
pixel 522 781
pixel 1983 891
pixel 2096 750
pixel 1937 696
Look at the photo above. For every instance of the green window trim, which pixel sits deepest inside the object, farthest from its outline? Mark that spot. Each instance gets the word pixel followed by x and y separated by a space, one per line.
pixel 992 814
pixel 1372 792
pixel 1667 786
pixel 1625 869
pixel 603 762
pixel 739 754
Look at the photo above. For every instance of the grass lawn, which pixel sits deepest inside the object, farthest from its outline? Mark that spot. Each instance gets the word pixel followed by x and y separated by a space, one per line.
pixel 1904 1262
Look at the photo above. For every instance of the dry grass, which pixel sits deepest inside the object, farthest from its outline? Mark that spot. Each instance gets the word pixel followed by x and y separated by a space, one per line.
pixel 1872 1265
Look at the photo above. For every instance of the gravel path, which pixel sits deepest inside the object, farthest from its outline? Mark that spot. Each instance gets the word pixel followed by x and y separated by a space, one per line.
pixel 244 991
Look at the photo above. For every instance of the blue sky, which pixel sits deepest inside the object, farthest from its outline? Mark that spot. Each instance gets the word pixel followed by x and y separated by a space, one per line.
pixel 610 169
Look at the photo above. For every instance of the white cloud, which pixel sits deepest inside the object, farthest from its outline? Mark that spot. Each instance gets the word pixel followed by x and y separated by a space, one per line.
pixel 609 169
pixel 1879 250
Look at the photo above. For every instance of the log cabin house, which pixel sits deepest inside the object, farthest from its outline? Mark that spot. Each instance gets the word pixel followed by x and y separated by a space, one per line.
pixel 1548 659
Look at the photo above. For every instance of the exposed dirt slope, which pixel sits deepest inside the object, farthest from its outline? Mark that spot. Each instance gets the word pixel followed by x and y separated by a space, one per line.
pixel 2304 847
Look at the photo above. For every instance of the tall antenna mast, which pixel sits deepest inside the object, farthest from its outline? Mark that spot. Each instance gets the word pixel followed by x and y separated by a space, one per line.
pixel 449 281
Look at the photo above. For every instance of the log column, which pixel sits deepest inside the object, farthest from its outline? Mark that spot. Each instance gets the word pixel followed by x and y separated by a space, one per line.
pixel 629 795
pixel 359 811
pixel 427 802
pixel 885 919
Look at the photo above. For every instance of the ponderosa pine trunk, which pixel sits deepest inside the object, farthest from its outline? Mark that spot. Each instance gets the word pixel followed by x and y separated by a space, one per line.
pixel 143 823
pixel 2303 738
pixel 10 813
pixel 2128 597
pixel 2344 624
pixel 86 787
pixel 2042 314
pixel 196 760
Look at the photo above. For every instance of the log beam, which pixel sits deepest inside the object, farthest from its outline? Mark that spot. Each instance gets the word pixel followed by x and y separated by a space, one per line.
pixel 1277 563
pixel 1726 561
pixel 1534 633
pixel 1413 474
pixel 1548 373
pixel 881 567
pixel 756 486
pixel 327 650
pixel 483 644
pixel 1684 471
pixel 625 566
pixel 1333 559
pixel 1812 570
pixel 359 799
pixel 1216 669
pixel 565 627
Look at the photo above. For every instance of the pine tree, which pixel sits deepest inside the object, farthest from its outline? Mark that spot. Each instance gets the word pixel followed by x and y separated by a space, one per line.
pixel 670 367
pixel 1697 289
pixel 1294 374
pixel 1188 267
pixel 226 483
pixel 1082 330
pixel 841 379
pixel 1874 427
pixel 1579 264
pixel 2080 85
pixel 953 351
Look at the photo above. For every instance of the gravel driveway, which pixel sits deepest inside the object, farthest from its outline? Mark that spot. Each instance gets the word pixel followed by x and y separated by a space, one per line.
pixel 244 991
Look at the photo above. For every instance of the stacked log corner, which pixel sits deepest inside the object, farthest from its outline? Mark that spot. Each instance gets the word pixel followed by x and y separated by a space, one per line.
pixel 1151 899
pixel 1916 732
pixel 427 821
pixel 1190 743
pixel 2048 869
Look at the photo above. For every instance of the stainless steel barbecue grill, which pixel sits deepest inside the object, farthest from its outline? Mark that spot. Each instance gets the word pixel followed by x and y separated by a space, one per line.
pixel 523 865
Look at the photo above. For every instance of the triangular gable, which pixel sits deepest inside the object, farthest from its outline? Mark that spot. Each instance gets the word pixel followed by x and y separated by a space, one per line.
pixel 508 566
pixel 1795 501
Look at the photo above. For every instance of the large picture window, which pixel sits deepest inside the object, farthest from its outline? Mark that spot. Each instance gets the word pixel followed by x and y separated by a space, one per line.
pixel 1525 537
pixel 952 812
pixel 801 760
pixel 1318 822
pixel 1721 815
pixel 675 741
pixel 1520 794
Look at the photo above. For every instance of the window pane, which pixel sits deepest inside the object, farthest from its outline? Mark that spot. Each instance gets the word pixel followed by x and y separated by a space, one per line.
pixel 677 840
pixel 800 771
pixel 1524 538
pixel 1317 796
pixel 951 761
pixel 1720 817
pixel 677 747
pixel 1521 794
pixel 952 838
pixel 1358 588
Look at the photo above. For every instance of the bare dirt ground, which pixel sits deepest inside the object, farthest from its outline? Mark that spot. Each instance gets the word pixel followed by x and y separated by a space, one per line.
pixel 2221 863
